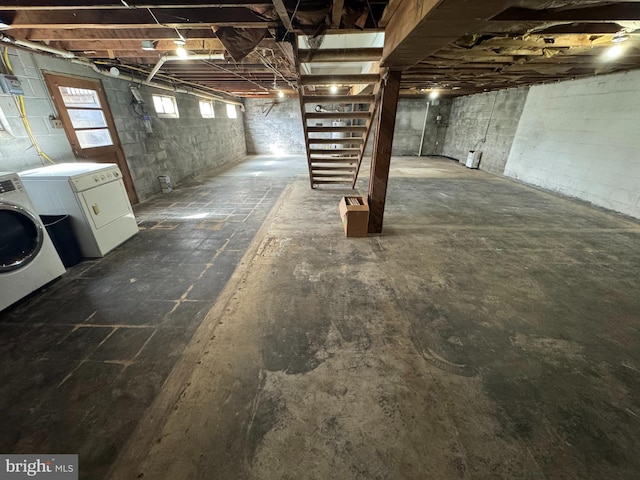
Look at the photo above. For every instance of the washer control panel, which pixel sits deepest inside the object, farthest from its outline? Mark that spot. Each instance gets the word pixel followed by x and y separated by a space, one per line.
pixel 10 185
pixel 94 179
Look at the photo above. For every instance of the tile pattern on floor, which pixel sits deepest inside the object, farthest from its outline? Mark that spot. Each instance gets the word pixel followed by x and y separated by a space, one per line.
pixel 82 359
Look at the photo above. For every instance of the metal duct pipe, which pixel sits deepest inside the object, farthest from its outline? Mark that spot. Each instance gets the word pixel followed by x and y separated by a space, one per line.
pixel 171 58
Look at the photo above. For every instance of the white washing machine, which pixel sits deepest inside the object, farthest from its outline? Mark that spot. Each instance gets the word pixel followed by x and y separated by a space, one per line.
pixel 28 259
pixel 92 194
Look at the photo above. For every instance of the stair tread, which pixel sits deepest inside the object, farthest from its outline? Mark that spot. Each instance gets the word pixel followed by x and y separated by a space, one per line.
pixel 329 115
pixel 327 129
pixel 315 168
pixel 333 175
pixel 336 141
pixel 346 182
pixel 333 150
pixel 338 99
pixel 353 79
pixel 316 160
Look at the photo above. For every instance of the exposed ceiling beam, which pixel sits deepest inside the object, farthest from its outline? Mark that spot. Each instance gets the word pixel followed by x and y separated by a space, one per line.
pixel 281 10
pixel 615 12
pixel 418 29
pixel 575 28
pixel 161 45
pixel 158 33
pixel 114 4
pixel 107 19
pixel 340 55
pixel 336 13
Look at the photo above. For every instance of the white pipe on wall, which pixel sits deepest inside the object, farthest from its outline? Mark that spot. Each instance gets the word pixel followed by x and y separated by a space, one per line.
pixel 424 128
pixel 195 93
pixel 39 46
pixel 171 58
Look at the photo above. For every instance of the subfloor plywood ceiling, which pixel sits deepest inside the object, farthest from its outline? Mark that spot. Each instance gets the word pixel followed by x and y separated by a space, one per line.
pixel 456 46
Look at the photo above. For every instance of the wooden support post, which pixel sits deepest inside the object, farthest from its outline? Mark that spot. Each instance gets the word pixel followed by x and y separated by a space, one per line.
pixel 382 144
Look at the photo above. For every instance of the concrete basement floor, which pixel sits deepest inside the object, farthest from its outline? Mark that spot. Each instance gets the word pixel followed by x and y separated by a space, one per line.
pixel 491 331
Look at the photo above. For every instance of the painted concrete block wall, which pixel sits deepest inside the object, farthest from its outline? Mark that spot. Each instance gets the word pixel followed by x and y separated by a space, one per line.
pixel 181 147
pixel 16 151
pixel 485 122
pixel 580 138
pixel 410 120
pixel 273 128
pixel 280 130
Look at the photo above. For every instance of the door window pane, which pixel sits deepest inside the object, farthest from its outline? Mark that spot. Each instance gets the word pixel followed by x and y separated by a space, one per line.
pixel 94 138
pixel 79 97
pixel 83 118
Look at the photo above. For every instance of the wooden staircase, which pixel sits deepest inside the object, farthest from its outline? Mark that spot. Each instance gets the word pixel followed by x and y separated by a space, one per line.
pixel 336 126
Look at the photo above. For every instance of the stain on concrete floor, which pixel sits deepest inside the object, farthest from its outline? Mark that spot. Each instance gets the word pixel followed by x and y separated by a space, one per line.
pixel 491 331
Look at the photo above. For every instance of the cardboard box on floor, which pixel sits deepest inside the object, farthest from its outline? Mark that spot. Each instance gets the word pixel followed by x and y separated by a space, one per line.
pixel 354 212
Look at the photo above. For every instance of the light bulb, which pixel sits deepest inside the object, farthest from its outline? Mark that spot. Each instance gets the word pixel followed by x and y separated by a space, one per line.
pixel 614 52
pixel 181 52
pixel 434 94
pixel 281 94
pixel 333 89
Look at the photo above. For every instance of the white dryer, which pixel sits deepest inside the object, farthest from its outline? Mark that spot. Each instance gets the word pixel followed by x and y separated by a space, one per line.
pixel 28 259
pixel 92 194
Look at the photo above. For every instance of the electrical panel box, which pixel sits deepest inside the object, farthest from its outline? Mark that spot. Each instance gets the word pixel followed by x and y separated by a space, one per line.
pixel 11 84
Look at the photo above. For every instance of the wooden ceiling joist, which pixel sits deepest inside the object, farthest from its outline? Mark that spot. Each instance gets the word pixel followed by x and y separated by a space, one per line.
pixel 281 10
pixel 459 46
pixel 340 55
pixel 109 19
pixel 419 29
pixel 129 33
pixel 115 4
pixel 614 12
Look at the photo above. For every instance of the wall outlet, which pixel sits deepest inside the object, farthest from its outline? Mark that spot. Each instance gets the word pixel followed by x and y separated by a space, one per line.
pixel 55 122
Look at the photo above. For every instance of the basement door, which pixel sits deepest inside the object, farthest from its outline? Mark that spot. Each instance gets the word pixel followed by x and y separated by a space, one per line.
pixel 87 121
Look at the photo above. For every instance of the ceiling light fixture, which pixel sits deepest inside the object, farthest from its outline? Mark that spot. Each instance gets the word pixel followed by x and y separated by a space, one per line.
pixel 434 94
pixel 180 50
pixel 281 94
pixel 613 52
pixel 333 89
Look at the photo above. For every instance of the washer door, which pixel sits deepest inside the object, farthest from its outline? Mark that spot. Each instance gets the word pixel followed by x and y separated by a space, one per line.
pixel 21 237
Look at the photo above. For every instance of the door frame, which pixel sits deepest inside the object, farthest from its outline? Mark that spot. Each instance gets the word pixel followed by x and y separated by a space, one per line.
pixel 52 79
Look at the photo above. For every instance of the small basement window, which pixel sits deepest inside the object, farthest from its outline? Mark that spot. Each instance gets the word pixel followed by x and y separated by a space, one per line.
pixel 166 107
pixel 206 109
pixel 231 111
